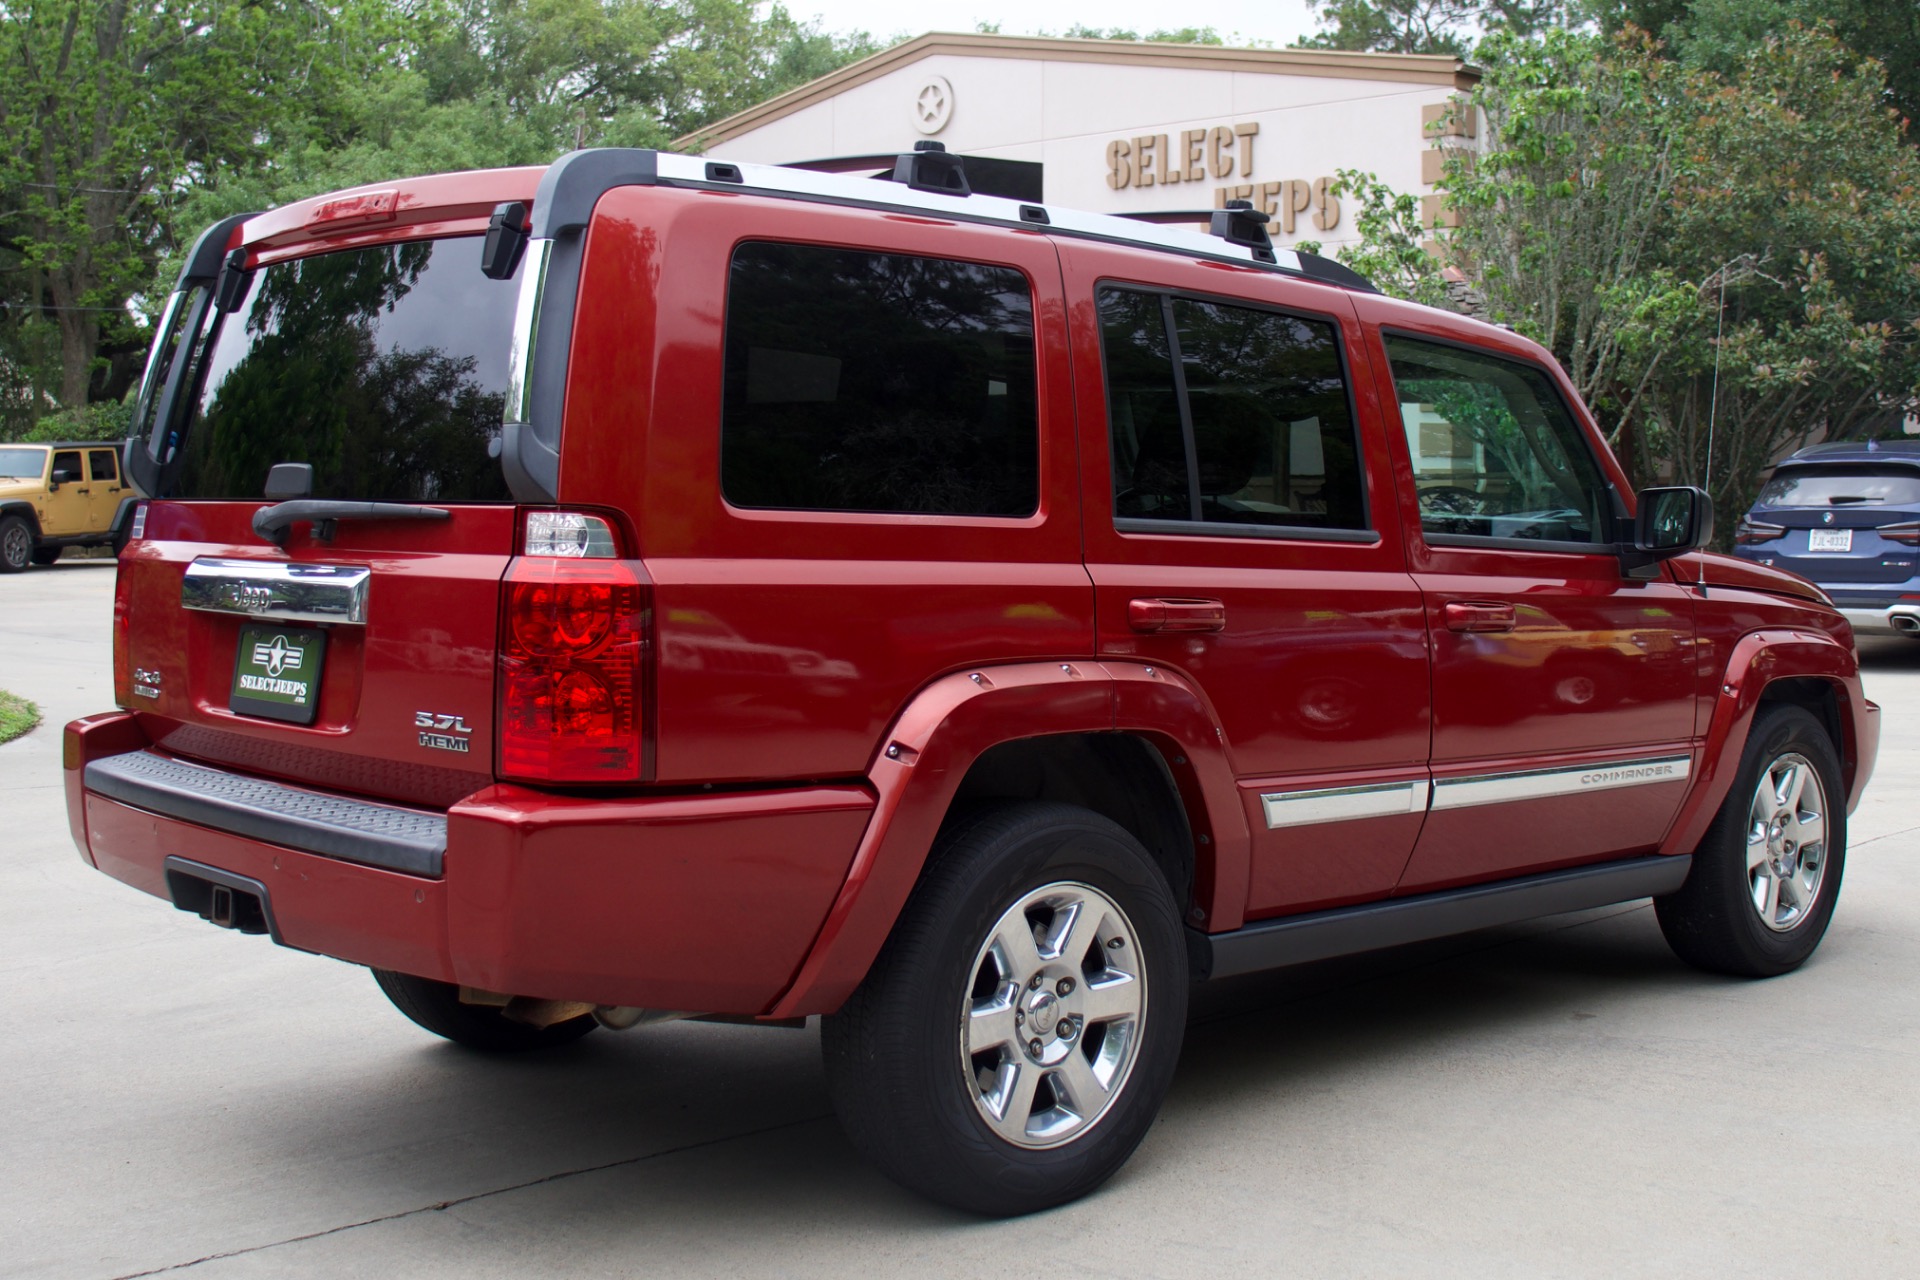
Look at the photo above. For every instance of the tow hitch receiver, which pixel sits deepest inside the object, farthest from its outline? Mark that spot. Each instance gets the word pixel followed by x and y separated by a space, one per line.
pixel 220 897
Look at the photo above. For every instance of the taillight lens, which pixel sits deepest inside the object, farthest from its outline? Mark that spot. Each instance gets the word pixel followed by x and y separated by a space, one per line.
pixel 122 653
pixel 574 669
pixel 1748 532
pixel 1906 533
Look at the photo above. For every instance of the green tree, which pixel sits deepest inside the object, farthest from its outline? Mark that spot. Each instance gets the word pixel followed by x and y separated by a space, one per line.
pixel 108 109
pixel 1425 26
pixel 1709 256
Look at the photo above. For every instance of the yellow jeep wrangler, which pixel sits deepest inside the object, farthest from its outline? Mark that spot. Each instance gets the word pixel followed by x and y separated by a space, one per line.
pixel 54 496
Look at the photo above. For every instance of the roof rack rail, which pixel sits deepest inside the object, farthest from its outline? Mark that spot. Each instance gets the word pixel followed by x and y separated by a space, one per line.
pixel 928 167
pixel 1238 223
pixel 927 180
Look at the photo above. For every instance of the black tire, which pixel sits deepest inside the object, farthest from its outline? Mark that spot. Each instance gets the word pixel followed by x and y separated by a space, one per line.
pixel 437 1007
pixel 44 556
pixel 16 544
pixel 894 1053
pixel 1713 921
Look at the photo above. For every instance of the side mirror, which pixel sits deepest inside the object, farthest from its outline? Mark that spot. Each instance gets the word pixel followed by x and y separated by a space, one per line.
pixel 1668 522
pixel 1673 520
pixel 59 478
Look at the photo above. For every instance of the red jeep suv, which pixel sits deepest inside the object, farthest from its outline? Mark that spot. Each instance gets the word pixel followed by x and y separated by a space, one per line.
pixel 652 588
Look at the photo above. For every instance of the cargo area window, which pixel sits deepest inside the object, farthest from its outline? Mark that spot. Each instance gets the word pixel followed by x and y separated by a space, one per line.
pixel 1227 415
pixel 878 382
pixel 384 367
pixel 1495 452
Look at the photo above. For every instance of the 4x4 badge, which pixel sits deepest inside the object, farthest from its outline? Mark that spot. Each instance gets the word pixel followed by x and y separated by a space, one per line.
pixel 442 732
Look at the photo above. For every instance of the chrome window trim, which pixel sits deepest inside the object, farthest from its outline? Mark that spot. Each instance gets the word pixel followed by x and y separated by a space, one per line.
pixel 281 590
pixel 1341 804
pixel 526 324
pixel 1539 784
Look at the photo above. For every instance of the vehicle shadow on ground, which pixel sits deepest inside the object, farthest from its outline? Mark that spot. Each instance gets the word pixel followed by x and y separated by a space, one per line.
pixel 1889 653
pixel 732 1122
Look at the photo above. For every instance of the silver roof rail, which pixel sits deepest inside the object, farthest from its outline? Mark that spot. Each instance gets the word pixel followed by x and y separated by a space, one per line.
pixel 833 188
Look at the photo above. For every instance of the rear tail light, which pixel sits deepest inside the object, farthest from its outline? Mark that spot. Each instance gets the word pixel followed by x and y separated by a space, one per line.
pixel 1906 533
pixel 575 657
pixel 122 624
pixel 1748 532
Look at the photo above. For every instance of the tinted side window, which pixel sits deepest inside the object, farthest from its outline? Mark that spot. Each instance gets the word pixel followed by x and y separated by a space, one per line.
pixel 101 464
pixel 1495 452
pixel 878 382
pixel 1250 425
pixel 66 465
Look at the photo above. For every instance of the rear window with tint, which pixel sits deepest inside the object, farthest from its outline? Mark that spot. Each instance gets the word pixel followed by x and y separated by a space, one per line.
pixel 878 382
pixel 385 368
pixel 1841 487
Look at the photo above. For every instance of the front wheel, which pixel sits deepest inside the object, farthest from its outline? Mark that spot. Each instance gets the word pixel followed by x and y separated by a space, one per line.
pixel 16 544
pixel 1766 877
pixel 1015 1038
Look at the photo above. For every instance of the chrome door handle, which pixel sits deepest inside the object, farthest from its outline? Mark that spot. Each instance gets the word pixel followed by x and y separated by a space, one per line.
pixel 1157 614
pixel 1477 615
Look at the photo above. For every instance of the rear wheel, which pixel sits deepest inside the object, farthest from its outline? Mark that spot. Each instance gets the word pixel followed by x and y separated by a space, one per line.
pixel 1766 877
pixel 1015 1038
pixel 437 1007
pixel 16 544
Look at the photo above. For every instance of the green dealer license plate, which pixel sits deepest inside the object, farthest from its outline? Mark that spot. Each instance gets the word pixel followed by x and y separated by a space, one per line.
pixel 276 673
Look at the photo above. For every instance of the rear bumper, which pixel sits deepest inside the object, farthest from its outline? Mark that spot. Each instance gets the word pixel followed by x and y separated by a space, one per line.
pixel 1890 620
pixel 705 903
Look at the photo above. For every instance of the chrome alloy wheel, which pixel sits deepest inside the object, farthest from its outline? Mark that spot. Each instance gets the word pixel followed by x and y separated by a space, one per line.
pixel 1787 841
pixel 1051 1023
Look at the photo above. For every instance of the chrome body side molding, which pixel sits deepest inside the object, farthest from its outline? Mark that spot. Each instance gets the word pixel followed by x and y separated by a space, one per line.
pixel 1338 804
pixel 277 589
pixel 1537 784
pixel 1390 799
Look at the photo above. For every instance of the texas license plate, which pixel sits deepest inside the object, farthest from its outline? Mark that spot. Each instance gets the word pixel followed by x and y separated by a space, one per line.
pixel 1829 539
pixel 276 673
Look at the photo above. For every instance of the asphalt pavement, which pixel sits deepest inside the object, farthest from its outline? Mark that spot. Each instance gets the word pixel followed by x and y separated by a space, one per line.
pixel 1558 1099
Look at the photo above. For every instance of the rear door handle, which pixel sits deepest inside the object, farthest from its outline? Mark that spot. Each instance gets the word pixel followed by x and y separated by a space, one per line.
pixel 1166 614
pixel 1477 615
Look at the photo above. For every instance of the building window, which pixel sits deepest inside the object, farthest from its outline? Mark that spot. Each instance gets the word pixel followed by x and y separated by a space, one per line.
pixel 878 382
pixel 1228 415
pixel 1495 452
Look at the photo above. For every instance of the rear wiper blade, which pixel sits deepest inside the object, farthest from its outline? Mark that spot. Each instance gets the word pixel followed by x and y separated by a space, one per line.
pixel 1839 499
pixel 273 522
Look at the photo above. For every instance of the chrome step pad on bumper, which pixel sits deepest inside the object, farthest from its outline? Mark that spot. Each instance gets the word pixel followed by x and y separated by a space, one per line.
pixel 376 835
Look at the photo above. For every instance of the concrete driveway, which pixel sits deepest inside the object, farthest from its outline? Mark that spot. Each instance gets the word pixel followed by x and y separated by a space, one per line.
pixel 1558 1099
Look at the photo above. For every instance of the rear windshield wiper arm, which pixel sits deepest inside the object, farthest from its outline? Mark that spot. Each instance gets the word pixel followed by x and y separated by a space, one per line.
pixel 273 522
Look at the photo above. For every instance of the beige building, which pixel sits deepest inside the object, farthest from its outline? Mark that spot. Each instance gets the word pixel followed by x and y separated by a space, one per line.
pixel 1139 129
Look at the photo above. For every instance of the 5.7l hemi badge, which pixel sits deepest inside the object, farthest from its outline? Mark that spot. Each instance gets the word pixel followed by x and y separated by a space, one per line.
pixel 443 732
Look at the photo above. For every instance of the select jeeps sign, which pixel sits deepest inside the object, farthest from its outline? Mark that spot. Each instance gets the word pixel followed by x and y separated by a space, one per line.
pixel 1218 152
pixel 276 673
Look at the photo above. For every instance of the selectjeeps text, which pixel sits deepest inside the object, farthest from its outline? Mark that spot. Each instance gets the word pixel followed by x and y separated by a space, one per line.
pixel 651 587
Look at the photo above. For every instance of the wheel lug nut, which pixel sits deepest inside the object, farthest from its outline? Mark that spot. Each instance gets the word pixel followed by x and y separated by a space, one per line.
pixel 1034 1047
pixel 1066 1029
pixel 1064 986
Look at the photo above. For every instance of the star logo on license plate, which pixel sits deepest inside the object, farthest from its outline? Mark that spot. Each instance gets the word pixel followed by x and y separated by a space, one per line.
pixel 277 656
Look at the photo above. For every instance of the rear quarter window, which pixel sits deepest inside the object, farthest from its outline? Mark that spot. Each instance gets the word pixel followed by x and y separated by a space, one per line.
pixel 878 382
